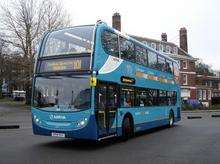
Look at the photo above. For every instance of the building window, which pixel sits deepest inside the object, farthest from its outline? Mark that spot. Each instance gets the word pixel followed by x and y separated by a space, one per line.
pixel 153 45
pixel 184 63
pixel 184 79
pixel 168 49
pixel 175 50
pixel 199 94
pixel 145 42
pixel 209 95
pixel 160 47
pixel 204 94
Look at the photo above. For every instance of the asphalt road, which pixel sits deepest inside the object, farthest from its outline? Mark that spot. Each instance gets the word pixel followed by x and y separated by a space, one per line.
pixel 190 141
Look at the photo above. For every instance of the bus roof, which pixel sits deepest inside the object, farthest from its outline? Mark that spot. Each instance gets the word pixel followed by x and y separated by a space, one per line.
pixel 121 34
pixel 136 41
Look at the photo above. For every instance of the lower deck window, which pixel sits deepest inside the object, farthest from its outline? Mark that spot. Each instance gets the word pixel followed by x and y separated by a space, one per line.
pixel 143 97
pixel 127 97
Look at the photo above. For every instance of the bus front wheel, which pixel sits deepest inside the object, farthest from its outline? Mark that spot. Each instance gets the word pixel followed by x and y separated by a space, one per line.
pixel 171 119
pixel 127 128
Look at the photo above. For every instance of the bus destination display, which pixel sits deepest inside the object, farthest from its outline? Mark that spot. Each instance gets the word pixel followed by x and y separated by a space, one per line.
pixel 67 64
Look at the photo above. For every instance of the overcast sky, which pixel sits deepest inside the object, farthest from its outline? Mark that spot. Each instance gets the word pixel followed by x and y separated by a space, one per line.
pixel 150 18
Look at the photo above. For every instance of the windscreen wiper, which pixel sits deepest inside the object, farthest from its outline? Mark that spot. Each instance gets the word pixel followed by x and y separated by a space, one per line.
pixel 56 99
pixel 71 102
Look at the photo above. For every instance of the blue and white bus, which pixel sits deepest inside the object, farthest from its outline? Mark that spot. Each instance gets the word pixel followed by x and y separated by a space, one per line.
pixel 93 82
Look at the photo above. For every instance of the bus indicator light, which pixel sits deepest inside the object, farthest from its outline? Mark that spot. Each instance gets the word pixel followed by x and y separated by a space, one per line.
pixel 93 81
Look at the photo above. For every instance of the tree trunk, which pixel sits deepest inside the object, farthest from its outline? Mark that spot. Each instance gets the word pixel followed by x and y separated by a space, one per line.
pixel 0 89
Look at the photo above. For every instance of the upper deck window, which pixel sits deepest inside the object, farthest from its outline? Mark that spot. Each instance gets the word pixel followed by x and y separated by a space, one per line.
pixel 74 40
pixel 152 59
pixel 161 64
pixel 176 72
pixel 110 43
pixel 141 55
pixel 127 49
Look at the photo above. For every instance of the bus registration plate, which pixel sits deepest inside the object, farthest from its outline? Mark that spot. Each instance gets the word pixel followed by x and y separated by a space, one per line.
pixel 58 134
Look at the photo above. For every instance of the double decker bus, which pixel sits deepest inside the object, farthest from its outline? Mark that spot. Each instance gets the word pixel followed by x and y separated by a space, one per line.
pixel 94 82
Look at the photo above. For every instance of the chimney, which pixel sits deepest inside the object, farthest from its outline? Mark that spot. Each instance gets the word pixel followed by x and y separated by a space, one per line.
pixel 116 21
pixel 183 39
pixel 164 37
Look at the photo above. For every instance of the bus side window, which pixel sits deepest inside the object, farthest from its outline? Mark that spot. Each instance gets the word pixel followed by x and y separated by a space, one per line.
pixel 174 98
pixel 161 63
pixel 169 98
pixel 110 43
pixel 127 97
pixel 162 99
pixel 152 59
pixel 141 97
pixel 176 72
pixel 141 55
pixel 151 99
pixel 127 49
pixel 169 66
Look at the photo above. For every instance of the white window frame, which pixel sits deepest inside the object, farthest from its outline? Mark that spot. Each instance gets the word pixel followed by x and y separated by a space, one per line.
pixel 168 49
pixel 185 61
pixel 200 94
pixel 154 45
pixel 185 76
pixel 160 47
pixel 209 94
pixel 145 42
pixel 210 83
pixel 204 95
pixel 175 50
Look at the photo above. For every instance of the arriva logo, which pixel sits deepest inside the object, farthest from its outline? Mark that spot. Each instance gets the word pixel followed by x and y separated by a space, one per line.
pixel 58 117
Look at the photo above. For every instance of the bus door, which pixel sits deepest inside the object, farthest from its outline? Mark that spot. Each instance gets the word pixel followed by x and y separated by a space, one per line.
pixel 106 108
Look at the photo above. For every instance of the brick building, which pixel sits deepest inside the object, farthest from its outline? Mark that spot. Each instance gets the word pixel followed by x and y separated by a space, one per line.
pixel 179 53
pixel 207 87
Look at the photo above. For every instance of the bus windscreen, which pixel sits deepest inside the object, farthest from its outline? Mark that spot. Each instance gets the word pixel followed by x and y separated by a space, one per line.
pixel 74 40
pixel 62 93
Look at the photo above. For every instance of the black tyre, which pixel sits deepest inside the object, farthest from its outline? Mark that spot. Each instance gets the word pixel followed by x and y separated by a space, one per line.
pixel 127 128
pixel 171 119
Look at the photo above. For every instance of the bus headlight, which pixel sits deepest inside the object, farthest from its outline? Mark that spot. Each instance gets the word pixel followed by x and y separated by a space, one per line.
pixel 36 120
pixel 82 123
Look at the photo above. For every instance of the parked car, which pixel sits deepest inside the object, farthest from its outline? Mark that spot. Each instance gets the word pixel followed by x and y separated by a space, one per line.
pixel 18 95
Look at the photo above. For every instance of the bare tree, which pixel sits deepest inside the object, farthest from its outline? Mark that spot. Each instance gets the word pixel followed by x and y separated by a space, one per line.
pixel 2 45
pixel 55 16
pixel 25 21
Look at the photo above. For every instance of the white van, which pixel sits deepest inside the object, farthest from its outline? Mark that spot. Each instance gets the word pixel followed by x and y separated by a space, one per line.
pixel 18 95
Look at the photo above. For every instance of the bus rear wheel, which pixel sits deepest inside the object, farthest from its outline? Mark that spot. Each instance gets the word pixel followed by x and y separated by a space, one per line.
pixel 171 119
pixel 127 128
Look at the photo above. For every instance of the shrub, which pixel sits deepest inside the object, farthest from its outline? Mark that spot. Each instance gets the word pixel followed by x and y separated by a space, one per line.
pixel 187 107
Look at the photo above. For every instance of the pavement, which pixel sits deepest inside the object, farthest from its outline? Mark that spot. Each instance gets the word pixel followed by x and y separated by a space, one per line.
pixel 189 141
pixel 15 114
